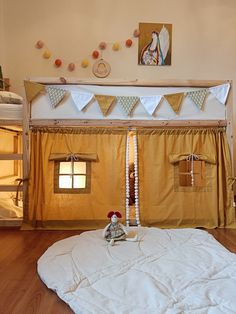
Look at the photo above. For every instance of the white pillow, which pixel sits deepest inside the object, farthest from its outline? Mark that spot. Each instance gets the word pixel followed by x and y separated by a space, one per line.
pixel 10 98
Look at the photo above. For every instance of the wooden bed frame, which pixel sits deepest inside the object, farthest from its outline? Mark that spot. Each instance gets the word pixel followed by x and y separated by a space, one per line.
pixel 28 122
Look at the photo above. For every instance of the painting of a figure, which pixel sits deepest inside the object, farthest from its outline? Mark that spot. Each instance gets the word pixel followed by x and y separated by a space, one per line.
pixel 155 44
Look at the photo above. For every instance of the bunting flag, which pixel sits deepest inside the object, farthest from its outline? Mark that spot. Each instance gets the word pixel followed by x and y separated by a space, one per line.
pixel 175 101
pixel 220 92
pixel 81 99
pixel 198 97
pixel 150 103
pixel 105 102
pixel 32 89
pixel 55 95
pixel 127 103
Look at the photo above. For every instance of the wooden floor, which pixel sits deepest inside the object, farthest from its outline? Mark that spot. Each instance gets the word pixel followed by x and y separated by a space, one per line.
pixel 21 290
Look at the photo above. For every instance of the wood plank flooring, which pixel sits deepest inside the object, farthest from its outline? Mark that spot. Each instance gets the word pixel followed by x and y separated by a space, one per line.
pixel 21 290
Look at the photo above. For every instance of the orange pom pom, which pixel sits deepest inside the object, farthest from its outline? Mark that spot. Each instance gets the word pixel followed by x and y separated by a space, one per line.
pixel 58 63
pixel 128 43
pixel 47 54
pixel 95 54
pixel 116 46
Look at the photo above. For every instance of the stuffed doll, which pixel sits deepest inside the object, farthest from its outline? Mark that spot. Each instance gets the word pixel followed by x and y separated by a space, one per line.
pixel 115 231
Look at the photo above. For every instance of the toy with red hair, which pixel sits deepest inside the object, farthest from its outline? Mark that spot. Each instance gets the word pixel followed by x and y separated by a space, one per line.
pixel 115 231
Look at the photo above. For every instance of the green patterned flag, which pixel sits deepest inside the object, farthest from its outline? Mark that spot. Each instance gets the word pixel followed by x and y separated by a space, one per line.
pixel 55 95
pixel 127 103
pixel 198 97
pixel 175 101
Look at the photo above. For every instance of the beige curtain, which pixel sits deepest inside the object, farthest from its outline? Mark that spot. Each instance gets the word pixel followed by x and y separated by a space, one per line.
pixel 165 204
pixel 84 211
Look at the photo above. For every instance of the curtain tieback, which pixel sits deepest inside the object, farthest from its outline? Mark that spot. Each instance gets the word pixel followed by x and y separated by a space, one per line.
pixel 71 157
pixel 192 158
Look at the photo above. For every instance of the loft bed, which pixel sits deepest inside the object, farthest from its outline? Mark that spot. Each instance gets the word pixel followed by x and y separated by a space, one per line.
pixel 11 158
pixel 40 117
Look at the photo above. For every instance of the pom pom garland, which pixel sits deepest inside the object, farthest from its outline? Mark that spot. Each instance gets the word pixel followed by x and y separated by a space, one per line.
pixel 95 54
pixel 102 45
pixel 71 66
pixel 58 63
pixel 128 43
pixel 116 46
pixel 127 180
pixel 39 44
pixel 46 54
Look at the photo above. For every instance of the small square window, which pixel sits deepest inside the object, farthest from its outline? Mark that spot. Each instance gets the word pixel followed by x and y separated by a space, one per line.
pixel 72 177
pixel 192 173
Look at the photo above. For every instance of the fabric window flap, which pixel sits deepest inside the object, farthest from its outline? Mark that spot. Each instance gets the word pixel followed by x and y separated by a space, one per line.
pixel 174 158
pixel 73 156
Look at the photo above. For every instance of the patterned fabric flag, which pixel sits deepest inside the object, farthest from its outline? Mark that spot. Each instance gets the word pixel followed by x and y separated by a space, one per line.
pixel 175 101
pixel 220 92
pixel 105 102
pixel 127 103
pixel 32 89
pixel 55 95
pixel 81 99
pixel 198 97
pixel 150 103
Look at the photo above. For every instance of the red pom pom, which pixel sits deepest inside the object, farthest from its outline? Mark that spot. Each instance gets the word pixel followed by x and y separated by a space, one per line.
pixel 58 63
pixel 110 214
pixel 128 43
pixel 95 54
pixel 118 214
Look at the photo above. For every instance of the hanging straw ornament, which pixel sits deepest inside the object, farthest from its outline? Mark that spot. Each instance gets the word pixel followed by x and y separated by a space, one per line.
pixel 127 180
pixel 136 191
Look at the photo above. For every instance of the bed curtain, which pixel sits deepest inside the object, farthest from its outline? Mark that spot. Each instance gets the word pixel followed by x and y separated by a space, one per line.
pixel 163 203
pixel 84 211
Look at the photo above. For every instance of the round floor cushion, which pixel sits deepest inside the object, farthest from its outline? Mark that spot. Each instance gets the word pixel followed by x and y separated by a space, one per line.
pixel 166 271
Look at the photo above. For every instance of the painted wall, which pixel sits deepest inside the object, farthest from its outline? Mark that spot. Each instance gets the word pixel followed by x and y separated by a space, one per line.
pixel 2 58
pixel 204 39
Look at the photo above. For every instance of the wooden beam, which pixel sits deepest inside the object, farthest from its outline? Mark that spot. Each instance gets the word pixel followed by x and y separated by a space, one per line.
pixel 136 82
pixel 125 123
pixel 11 122
pixel 11 156
pixel 10 188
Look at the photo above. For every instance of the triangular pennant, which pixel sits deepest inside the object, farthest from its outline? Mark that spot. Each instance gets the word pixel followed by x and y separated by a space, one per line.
pixel 127 103
pixel 198 97
pixel 55 95
pixel 150 103
pixel 175 101
pixel 32 89
pixel 220 92
pixel 105 102
pixel 81 99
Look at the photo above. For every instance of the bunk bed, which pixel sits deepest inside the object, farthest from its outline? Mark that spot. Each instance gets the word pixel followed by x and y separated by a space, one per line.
pixel 11 159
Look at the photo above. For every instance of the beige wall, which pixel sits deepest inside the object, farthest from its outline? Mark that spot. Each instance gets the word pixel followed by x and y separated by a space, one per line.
pixel 2 59
pixel 204 41
pixel 204 37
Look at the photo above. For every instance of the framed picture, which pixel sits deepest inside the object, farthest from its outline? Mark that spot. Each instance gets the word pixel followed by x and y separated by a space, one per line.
pixel 155 42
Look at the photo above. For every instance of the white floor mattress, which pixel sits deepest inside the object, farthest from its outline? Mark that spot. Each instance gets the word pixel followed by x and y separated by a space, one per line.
pixel 167 271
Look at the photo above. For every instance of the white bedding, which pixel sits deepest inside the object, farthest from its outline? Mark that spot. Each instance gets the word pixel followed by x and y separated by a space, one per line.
pixel 11 111
pixel 167 271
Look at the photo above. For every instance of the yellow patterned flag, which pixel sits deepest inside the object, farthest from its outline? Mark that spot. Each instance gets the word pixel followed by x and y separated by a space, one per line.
pixel 175 101
pixel 32 89
pixel 105 102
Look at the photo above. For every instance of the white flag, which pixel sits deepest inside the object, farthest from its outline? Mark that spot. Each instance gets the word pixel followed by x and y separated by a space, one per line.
pixel 220 92
pixel 81 99
pixel 150 103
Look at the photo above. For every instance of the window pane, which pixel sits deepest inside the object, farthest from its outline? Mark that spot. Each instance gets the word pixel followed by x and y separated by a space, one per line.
pixel 80 167
pixel 79 182
pixel 65 167
pixel 65 182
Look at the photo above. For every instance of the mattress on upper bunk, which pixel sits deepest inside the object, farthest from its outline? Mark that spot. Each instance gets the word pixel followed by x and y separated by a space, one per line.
pixel 11 111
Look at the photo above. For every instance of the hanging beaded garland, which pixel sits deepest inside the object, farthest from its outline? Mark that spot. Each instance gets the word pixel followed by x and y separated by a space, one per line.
pixel 127 180
pixel 136 190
